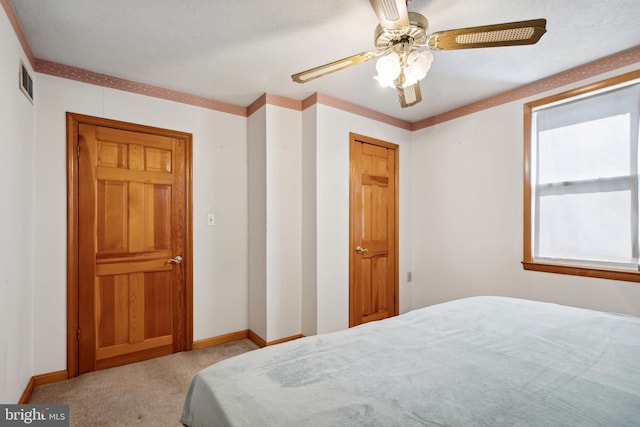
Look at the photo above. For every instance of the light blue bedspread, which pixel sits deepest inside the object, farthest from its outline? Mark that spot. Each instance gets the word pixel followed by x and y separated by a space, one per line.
pixel 482 361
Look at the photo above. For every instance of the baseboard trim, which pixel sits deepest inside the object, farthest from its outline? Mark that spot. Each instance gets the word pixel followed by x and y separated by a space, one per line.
pixel 256 339
pixel 220 339
pixel 285 339
pixel 51 377
pixel 42 379
pixel 262 343
pixel 27 392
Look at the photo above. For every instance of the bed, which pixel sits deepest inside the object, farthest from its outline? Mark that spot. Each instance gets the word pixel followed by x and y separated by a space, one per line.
pixel 480 361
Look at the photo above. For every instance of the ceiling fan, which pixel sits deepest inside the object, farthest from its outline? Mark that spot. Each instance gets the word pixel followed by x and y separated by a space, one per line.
pixel 401 36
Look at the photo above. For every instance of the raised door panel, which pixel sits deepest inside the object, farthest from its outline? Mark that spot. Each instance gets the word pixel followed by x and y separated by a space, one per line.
pixel 157 217
pixel 112 300
pixel 157 304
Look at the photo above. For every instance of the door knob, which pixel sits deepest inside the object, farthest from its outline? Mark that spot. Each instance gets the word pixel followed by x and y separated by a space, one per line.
pixel 361 250
pixel 175 260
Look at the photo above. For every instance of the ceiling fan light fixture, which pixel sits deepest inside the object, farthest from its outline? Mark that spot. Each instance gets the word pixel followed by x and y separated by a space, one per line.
pixel 418 64
pixel 400 35
pixel 389 68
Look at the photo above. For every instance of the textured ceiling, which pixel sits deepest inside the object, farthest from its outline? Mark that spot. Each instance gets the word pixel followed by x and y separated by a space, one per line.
pixel 236 50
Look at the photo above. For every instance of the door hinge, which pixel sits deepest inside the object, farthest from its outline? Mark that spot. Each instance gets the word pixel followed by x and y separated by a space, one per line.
pixel 78 336
pixel 78 150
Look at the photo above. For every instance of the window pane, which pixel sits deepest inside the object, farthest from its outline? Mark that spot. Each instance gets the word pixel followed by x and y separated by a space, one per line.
pixel 589 150
pixel 586 226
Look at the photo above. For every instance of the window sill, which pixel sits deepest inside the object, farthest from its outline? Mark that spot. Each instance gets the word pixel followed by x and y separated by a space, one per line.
pixel 601 273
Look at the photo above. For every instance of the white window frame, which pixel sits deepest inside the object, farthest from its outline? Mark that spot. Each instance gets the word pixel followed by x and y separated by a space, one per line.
pixel 530 260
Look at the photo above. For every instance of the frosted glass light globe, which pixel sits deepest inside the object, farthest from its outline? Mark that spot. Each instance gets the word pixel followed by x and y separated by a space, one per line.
pixel 388 68
pixel 418 64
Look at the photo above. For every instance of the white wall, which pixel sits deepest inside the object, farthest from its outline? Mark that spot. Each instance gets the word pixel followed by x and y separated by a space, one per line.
pixel 17 118
pixel 219 187
pixel 468 217
pixel 257 224
pixel 220 252
pixel 275 210
pixel 309 261
pixel 284 210
pixel 332 198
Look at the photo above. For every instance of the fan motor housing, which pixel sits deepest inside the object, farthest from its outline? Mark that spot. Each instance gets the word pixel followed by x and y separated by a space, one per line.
pixel 415 33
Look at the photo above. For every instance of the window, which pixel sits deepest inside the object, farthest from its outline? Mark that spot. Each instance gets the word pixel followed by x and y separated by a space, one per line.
pixel 581 181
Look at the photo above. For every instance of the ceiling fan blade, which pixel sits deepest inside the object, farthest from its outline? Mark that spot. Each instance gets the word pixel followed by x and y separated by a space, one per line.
pixel 507 34
pixel 392 14
pixel 409 95
pixel 334 66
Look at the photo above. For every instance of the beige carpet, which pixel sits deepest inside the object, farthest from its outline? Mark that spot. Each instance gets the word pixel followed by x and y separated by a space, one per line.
pixel 149 393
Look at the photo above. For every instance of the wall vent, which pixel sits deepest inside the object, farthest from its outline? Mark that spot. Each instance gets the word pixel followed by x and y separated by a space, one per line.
pixel 26 82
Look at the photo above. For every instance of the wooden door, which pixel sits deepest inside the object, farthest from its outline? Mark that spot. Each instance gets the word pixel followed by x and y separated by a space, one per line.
pixel 373 259
pixel 133 244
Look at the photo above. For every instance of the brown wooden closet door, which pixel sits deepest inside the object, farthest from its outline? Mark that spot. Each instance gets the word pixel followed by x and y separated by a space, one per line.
pixel 131 224
pixel 373 219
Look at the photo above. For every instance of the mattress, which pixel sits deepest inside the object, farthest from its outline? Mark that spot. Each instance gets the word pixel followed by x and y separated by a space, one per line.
pixel 480 361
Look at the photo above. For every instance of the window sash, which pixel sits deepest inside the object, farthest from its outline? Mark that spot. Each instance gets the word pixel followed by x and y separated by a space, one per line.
pixel 608 252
